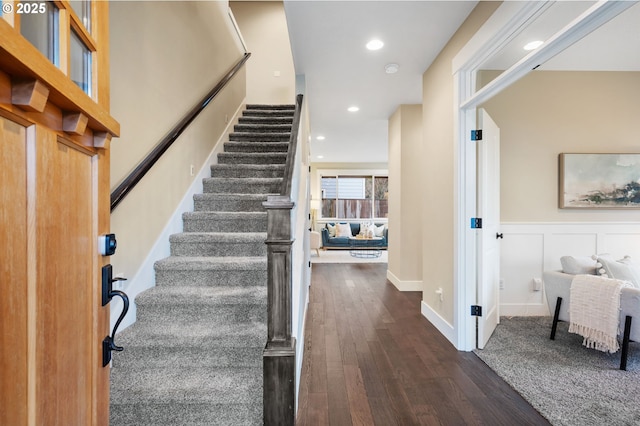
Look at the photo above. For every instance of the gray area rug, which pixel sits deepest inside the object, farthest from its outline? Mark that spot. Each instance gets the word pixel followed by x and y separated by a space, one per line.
pixel 566 382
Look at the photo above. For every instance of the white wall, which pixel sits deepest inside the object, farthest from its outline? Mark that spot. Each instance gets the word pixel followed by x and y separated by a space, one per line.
pixel 529 249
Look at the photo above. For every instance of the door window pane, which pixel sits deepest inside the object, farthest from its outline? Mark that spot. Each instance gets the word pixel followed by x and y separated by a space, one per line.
pixel 82 8
pixel 80 63
pixel 40 27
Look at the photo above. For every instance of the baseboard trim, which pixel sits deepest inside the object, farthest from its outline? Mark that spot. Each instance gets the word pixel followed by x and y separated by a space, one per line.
pixel 439 323
pixel 404 285
pixel 300 349
pixel 524 310
pixel 145 277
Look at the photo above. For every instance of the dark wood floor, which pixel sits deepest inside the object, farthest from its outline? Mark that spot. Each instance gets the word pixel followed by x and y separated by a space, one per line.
pixel 371 358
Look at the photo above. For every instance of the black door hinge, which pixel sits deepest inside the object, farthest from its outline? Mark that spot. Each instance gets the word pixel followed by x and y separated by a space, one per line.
pixel 476 223
pixel 476 310
pixel 476 135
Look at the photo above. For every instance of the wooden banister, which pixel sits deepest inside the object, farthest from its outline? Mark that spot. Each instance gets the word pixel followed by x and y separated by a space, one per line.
pixel 291 153
pixel 279 356
pixel 145 165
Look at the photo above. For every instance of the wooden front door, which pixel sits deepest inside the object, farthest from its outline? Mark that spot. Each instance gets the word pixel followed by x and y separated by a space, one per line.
pixel 54 204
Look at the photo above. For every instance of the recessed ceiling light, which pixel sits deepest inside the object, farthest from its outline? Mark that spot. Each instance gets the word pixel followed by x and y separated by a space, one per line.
pixel 353 109
pixel 375 44
pixel 533 45
pixel 320 138
pixel 391 68
pixel 320 156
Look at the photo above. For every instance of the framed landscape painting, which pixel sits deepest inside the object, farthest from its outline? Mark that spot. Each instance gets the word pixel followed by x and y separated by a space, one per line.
pixel 599 181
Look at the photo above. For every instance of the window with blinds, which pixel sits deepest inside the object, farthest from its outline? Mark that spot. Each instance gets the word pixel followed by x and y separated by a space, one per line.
pixel 354 197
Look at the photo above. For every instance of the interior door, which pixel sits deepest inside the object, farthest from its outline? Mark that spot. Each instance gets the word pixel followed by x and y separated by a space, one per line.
pixel 489 235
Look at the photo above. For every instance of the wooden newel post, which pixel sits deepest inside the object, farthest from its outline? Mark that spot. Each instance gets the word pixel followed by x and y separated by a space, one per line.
pixel 279 356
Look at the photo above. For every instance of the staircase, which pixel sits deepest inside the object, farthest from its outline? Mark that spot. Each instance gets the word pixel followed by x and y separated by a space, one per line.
pixel 194 356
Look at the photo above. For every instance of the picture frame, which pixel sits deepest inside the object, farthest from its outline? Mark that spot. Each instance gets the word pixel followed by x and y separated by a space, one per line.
pixel 599 181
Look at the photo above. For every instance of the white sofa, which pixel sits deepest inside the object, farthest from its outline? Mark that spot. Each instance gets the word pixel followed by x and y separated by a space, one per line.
pixel 557 286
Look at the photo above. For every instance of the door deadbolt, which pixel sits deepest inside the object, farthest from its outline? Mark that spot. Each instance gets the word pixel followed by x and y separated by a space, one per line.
pixel 107 244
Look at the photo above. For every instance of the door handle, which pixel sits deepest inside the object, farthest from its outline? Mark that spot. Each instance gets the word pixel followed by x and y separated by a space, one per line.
pixel 108 344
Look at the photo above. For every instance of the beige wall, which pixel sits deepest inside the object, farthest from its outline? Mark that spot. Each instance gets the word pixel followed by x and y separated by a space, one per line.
pixel 438 167
pixel 405 197
pixel 165 56
pixel 264 28
pixel 547 113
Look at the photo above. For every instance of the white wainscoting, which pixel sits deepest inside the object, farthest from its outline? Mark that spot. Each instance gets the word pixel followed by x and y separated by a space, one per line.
pixel 528 249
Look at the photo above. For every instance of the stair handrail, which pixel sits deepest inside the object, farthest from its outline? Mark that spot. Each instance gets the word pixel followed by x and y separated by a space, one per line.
pixel 279 355
pixel 291 152
pixel 143 167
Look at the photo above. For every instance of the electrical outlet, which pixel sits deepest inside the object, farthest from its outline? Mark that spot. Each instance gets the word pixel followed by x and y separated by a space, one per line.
pixel 501 284
pixel 537 284
pixel 192 170
pixel 439 292
pixel 226 119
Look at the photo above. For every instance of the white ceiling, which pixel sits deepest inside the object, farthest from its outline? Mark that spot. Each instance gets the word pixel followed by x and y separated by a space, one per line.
pixel 328 41
pixel 615 46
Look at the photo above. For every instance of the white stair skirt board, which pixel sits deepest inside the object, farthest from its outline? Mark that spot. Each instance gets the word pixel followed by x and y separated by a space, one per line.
pixel 145 277
pixel 404 285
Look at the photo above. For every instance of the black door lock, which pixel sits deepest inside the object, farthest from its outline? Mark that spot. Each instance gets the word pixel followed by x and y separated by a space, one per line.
pixel 107 244
pixel 108 344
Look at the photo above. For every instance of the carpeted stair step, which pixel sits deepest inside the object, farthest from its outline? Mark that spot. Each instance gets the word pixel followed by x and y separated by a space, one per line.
pixel 247 170
pixel 229 202
pixel 278 107
pixel 191 414
pixel 266 119
pixel 220 244
pixel 251 158
pixel 211 271
pixel 256 147
pixel 242 185
pixel 194 355
pixel 224 221
pixel 188 396
pixel 165 345
pixel 263 127
pixel 260 136
pixel 187 305
pixel 267 113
